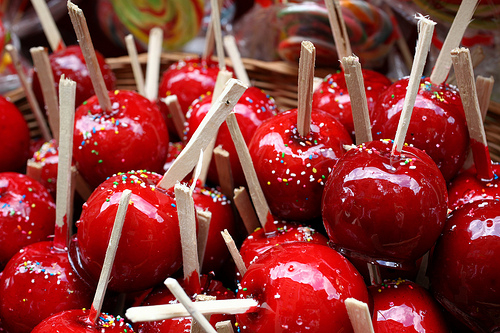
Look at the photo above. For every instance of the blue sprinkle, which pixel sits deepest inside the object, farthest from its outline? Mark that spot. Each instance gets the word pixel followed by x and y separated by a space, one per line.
pixel 117 122
pixel 83 142
pixel 173 205
pixel 93 130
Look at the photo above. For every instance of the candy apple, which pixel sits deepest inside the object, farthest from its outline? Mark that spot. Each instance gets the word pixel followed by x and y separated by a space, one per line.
pixel 47 157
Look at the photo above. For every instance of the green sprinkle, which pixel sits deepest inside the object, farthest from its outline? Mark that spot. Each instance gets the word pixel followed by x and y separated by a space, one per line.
pixel 100 161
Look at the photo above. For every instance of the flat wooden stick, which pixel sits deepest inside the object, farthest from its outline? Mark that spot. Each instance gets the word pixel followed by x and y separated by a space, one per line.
pixel 484 88
pixel 452 41
pixel 374 272
pixel 235 254
pixel 224 327
pixel 305 90
pixel 153 64
pixel 235 56
pixel 426 30
pixel 477 56
pixel 357 94
pixel 48 25
pixel 204 218
pixel 187 226
pixel 30 96
pixel 359 315
pixel 169 311
pixel 67 93
pixel 41 62
pixel 208 48
pixel 258 198
pixel 178 117
pixel 107 266
pixel 467 87
pixel 196 173
pixel 82 187
pixel 246 209
pixel 134 62
pixel 339 30
pixel 82 33
pixel 219 46
pixel 223 165
pixel 195 326
pixel 203 134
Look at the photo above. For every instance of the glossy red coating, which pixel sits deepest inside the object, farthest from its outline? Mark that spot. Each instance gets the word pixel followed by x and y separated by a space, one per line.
pixel 292 169
pixel 37 283
pixel 27 214
pixel 132 136
pixel 300 287
pixel 253 108
pixel 404 306
pixel 332 95
pixel 437 124
pixel 259 241
pixel 188 79
pixel 162 295
pixel 149 250
pixel 77 321
pixel 464 274
pixel 14 136
pixel 48 157
pixel 388 209
pixel 174 149
pixel 71 63
pixel 467 187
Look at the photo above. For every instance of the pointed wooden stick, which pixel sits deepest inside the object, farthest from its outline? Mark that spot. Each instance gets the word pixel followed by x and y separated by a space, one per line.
pixel 246 210
pixel 46 77
pixel 48 25
pixel 235 56
pixel 82 33
pixel 203 134
pixel 224 327
pixel 426 30
pixel 359 104
pixel 153 64
pixel 169 311
pixel 339 30
pixel 178 117
pixel 30 96
pixel 305 90
pixel 67 93
pixel 107 266
pixel 134 62
pixel 235 254
pixel 453 39
pixel 359 315
pixel 467 87
pixel 204 218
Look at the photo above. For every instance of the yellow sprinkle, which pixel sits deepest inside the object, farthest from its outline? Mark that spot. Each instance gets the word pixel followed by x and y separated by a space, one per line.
pixel 314 170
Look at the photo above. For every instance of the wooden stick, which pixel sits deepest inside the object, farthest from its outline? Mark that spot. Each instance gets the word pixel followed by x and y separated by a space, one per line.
pixel 246 210
pixel 67 93
pixel 374 272
pixel 187 226
pixel 195 326
pixel 82 187
pixel 477 56
pixel 35 108
pixel 153 64
pixel 484 88
pixel 235 56
pixel 224 327
pixel 82 33
pixel 134 62
pixel 359 315
pixel 197 171
pixel 210 38
pixel 204 218
pixel 452 41
pixel 107 266
pixel 426 29
pixel 48 25
pixel 466 84
pixel 46 77
pixel 357 94
pixel 305 90
pixel 169 311
pixel 203 134
pixel 339 30
pixel 256 192
pixel 179 293
pixel 422 278
pixel 223 165
pixel 178 117
pixel 235 254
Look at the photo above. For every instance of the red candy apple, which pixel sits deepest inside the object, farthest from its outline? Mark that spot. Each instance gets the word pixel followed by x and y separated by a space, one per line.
pixel 385 208
pixel 14 136
pixel 48 157
pixel 251 110
pixel 292 169
pixel 77 321
pixel 404 306
pixel 149 249
pixel 37 283
pixel 300 287
pixel 27 214
pixel 464 271
pixel 131 136
pixel 71 63
pixel 332 95
pixel 437 124
pixel 174 149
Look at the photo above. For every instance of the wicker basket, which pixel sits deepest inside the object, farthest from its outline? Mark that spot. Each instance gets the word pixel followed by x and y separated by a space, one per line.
pixel 278 79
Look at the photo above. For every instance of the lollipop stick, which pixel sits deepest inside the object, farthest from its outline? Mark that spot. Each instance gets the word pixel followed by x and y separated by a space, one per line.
pixel 48 25
pixel 114 240
pixel 235 254
pixel 235 56
pixel 339 30
pixel 305 90
pixel 246 210
pixel 426 29
pixel 359 315
pixel 153 64
pixel 134 62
